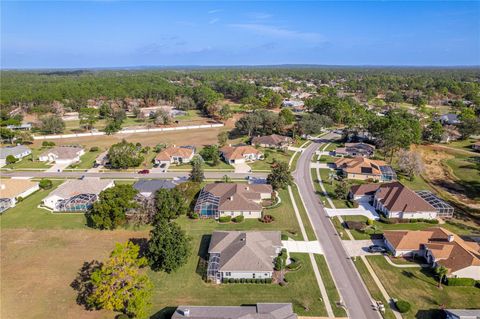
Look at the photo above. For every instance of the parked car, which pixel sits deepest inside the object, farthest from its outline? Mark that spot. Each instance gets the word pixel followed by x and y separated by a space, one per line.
pixel 376 249
pixel 144 171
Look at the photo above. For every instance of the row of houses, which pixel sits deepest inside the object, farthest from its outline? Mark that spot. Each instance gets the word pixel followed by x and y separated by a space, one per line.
pixel 57 154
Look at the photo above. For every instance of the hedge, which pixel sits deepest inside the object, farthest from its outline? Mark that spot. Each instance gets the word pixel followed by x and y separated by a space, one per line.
pixel 247 280
pixel 403 306
pixel 224 219
pixel 407 221
pixel 461 282
pixel 238 219
pixel 45 184
pixel 294 265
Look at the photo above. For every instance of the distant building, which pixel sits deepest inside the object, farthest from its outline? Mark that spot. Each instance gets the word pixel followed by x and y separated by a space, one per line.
pixel 247 255
pixel 258 311
pixel 175 155
pixel 363 168
pixel 240 154
pixel 62 154
pixel 231 199
pixel 273 141
pixel 21 127
pixel 462 313
pixel 77 194
pixel 439 247
pixel 356 149
pixel 148 187
pixel 19 152
pixel 12 189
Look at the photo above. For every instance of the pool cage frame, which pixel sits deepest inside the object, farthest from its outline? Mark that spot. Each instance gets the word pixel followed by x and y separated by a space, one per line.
pixel 5 203
pixel 207 205
pixel 444 210
pixel 77 203
pixel 388 173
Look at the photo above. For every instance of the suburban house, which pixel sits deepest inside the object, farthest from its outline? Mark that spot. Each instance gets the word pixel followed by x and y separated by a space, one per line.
pixel 476 146
pixel 395 200
pixel 258 311
pixel 102 159
pixel 439 247
pixel 62 154
pixel 12 189
pixel 19 152
pixel 462 313
pixel 355 149
pixel 273 141
pixel 449 119
pixel 231 199
pixel 148 187
pixel 237 254
pixel 240 154
pixel 77 194
pixel 21 127
pixel 175 155
pixel 363 168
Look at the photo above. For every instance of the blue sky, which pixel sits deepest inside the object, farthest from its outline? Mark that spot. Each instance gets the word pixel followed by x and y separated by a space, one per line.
pixel 115 34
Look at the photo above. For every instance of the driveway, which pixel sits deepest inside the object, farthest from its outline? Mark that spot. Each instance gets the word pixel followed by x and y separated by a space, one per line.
pixel 242 168
pixel 363 209
pixel 58 167
pixel 360 247
pixel 319 165
pixel 298 246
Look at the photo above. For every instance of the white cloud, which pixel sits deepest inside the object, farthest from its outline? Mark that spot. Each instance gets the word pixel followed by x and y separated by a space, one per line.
pixel 213 21
pixel 259 15
pixel 215 11
pixel 280 32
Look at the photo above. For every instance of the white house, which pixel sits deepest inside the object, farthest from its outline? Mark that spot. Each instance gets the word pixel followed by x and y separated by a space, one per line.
pixel 175 155
pixel 62 154
pixel 237 255
pixel 19 152
pixel 77 194
pixel 12 189
pixel 240 154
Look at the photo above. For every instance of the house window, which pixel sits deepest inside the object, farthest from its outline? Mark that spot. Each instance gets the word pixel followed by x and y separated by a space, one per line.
pixel 228 274
pixel 253 275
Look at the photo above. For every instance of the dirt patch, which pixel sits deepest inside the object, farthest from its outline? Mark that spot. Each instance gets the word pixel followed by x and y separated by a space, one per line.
pixel 37 268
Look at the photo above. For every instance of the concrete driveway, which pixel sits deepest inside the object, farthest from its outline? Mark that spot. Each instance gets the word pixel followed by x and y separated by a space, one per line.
pixel 363 209
pixel 242 168
pixel 58 167
pixel 360 247
pixel 297 246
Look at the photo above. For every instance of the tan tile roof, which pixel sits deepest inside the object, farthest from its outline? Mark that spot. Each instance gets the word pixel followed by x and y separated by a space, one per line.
pixel 245 251
pixel 354 165
pixel 172 151
pixel 454 255
pixel 64 152
pixel 397 197
pixel 274 139
pixel 75 187
pixel 364 189
pixel 237 152
pixel 233 197
pixel 11 188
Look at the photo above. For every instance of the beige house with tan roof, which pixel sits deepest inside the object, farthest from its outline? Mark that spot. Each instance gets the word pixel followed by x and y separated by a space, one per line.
pixel 231 199
pixel 240 154
pixel 12 189
pixel 439 247
pixel 175 155
pixel 273 141
pixel 363 168
pixel 62 154
pixel 236 255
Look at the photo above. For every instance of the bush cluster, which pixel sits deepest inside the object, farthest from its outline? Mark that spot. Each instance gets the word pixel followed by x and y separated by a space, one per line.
pixel 246 281
pixel 45 184
pixel 294 265
pixel 48 144
pixel 267 219
pixel 461 282
pixel 94 149
pixel 403 306
pixel 407 221
pixel 238 219
pixel 224 219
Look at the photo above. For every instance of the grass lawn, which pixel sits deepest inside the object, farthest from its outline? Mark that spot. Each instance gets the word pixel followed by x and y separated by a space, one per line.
pixel 208 165
pixel 372 287
pixel 465 145
pixel 324 174
pixel 339 228
pixel 270 156
pixel 332 292
pixel 26 214
pixel 86 160
pixel 418 183
pixel 333 146
pixel 29 162
pixel 303 214
pixel 466 170
pixel 418 287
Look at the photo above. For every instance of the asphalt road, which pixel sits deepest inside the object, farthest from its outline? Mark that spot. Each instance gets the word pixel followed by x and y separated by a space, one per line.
pixel 354 294
pixel 127 175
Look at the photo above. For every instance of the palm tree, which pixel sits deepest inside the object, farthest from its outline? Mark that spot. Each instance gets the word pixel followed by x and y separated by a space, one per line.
pixel 441 273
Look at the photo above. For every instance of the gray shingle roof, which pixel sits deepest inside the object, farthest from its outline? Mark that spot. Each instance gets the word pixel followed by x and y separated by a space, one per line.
pixel 234 197
pixel 81 186
pixel 259 311
pixel 15 150
pixel 153 185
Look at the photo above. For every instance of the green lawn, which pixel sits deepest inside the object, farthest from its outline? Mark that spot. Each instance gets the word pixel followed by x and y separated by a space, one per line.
pixel 330 188
pixel 30 161
pixel 86 160
pixel 339 228
pixel 465 145
pixel 466 169
pixel 418 183
pixel 332 292
pixel 270 156
pixel 303 214
pixel 26 214
pixel 418 287
pixel 372 287
pixel 208 165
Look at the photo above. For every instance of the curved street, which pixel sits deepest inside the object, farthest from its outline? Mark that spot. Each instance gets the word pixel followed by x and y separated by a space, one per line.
pixel 349 284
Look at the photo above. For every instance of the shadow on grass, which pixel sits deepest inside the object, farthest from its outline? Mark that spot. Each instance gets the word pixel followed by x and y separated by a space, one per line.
pixel 165 313
pixel 202 254
pixel 430 314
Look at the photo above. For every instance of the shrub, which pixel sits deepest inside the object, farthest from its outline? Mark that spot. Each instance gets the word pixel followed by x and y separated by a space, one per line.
pixel 11 159
pixel 238 219
pixel 194 216
pixel 477 283
pixel 403 306
pixel 268 280
pixel 48 144
pixel 284 237
pixel 45 184
pixel 94 149
pixel 224 219
pixel 294 265
pixel 461 282
pixel 225 280
pixel 231 280
pixel 237 280
pixel 355 225
pixel 267 219
pixel 19 199
pixel 369 222
pixel 122 316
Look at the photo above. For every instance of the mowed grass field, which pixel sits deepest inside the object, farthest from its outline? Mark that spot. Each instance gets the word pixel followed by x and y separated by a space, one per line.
pixel 42 252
